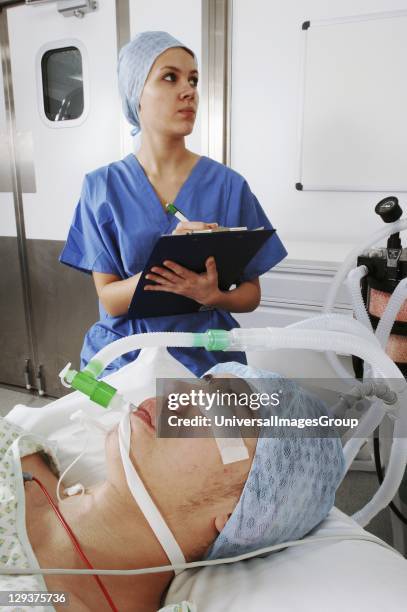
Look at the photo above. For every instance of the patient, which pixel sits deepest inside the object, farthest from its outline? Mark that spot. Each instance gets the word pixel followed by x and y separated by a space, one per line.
pixel 280 492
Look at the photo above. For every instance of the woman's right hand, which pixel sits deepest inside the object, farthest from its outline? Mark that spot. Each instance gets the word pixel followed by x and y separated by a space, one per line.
pixel 185 227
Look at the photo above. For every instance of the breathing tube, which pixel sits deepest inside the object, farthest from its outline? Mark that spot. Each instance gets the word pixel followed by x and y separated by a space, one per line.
pixel 355 342
pixel 384 292
pixel 378 290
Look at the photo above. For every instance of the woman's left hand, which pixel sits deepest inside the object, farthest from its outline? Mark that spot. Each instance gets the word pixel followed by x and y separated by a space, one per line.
pixel 173 278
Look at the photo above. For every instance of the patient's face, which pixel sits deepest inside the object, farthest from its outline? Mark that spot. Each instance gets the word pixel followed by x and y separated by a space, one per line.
pixel 178 471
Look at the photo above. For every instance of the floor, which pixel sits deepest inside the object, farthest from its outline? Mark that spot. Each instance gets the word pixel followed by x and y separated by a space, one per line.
pixel 356 489
pixel 10 396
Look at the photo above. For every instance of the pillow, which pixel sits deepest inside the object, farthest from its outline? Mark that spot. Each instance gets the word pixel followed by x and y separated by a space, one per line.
pixel 136 381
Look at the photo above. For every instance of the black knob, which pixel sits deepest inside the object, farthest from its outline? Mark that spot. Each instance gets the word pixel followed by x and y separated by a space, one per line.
pixel 389 209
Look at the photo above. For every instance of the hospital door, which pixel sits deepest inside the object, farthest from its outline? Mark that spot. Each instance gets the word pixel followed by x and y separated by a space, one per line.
pixel 59 118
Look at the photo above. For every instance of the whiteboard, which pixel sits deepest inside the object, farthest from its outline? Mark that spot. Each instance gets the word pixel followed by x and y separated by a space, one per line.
pixel 353 108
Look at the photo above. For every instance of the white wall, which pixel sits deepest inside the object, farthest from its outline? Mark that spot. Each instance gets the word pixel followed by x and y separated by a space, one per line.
pixel 181 19
pixel 267 50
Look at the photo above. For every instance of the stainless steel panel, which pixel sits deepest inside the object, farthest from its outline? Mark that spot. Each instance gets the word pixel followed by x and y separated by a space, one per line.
pixel 13 335
pixel 64 307
pixel 216 71
pixel 15 175
pixel 122 23
pixel 25 161
pixel 18 284
pixel 6 185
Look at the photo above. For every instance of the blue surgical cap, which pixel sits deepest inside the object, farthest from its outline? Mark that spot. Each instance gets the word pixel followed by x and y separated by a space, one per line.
pixel 292 482
pixel 135 62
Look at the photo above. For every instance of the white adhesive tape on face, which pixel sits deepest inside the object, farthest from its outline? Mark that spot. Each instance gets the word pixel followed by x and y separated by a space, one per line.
pixel 232 449
pixel 143 499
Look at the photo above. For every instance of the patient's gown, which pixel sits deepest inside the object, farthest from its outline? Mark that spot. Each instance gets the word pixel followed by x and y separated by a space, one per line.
pixel 15 547
pixel 118 220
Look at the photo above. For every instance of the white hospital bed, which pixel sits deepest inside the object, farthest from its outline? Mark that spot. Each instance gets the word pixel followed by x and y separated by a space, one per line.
pixel 335 575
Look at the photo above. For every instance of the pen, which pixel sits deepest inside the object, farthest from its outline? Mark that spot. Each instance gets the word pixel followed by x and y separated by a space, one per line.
pixel 173 210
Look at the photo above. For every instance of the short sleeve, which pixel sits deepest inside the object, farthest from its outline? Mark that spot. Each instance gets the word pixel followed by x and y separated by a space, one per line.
pixel 253 216
pixel 92 243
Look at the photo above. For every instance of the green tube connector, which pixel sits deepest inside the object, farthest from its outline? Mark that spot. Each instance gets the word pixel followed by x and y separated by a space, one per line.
pixel 94 368
pixel 213 340
pixel 97 390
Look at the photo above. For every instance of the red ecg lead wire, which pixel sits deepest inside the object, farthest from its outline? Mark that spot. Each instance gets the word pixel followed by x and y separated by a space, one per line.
pixel 76 544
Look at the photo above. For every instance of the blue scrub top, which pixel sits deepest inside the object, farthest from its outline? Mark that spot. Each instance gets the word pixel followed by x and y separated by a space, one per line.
pixel 118 220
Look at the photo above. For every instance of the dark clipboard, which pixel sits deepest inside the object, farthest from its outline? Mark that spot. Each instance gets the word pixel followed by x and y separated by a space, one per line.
pixel 232 250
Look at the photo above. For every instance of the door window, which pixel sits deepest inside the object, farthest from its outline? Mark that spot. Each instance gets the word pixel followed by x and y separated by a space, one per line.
pixel 62 84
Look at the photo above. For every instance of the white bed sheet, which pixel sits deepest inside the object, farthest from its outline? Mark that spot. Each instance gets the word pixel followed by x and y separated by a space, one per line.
pixel 333 575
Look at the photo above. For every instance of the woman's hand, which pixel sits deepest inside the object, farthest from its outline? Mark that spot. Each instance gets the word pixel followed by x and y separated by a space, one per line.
pixel 173 278
pixel 186 227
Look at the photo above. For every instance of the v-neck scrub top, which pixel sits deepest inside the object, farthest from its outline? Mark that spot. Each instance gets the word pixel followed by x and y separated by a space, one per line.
pixel 118 220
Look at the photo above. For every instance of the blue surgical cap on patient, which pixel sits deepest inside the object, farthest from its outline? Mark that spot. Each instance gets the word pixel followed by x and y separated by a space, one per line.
pixel 292 482
pixel 135 62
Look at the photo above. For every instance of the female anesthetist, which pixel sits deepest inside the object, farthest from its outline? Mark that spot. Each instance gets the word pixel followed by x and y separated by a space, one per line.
pixel 121 212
